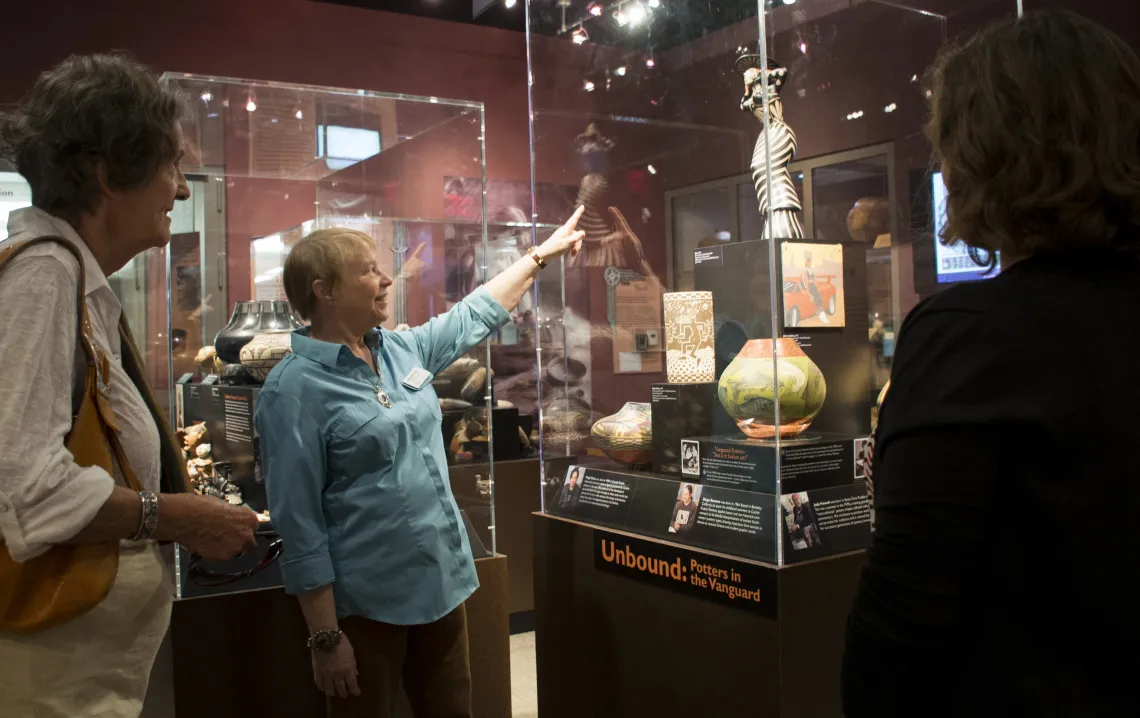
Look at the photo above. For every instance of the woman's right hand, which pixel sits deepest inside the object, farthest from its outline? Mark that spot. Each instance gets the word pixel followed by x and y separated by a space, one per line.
pixel 207 526
pixel 335 671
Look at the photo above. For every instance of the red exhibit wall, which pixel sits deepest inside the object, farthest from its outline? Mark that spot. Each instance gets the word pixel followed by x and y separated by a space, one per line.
pixel 289 41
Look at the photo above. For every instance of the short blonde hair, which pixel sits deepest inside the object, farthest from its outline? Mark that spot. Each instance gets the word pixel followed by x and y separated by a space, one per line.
pixel 321 255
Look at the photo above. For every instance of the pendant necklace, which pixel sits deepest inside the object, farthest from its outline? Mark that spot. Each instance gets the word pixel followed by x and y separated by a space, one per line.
pixel 382 397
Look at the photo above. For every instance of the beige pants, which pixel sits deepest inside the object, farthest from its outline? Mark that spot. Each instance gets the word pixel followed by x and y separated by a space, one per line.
pixel 98 665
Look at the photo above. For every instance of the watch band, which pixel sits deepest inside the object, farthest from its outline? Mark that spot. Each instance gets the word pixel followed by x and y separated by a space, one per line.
pixel 325 641
pixel 149 522
pixel 533 254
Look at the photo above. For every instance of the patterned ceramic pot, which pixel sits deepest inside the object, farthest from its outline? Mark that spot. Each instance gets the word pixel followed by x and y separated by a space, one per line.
pixel 264 351
pixel 689 354
pixel 250 319
pixel 627 436
pixel 753 383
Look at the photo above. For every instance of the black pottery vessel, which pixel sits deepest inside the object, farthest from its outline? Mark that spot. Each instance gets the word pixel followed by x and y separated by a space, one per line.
pixel 250 319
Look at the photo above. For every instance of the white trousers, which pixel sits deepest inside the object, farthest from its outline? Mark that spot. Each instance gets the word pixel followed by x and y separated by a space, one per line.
pixel 98 665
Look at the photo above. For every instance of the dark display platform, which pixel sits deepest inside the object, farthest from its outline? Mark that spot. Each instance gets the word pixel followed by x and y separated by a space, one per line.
pixel 620 642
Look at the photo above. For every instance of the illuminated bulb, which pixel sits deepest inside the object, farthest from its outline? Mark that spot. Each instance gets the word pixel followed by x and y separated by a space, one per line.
pixel 649 62
pixel 207 95
pixel 299 115
pixel 579 36
pixel 636 13
pixel 891 107
pixel 654 4
pixel 620 18
pixel 595 9
pixel 929 94
pixel 652 169
pixel 914 78
pixel 589 86
pixel 803 48
pixel 509 3
pixel 789 2
pixel 250 106
pixel 620 72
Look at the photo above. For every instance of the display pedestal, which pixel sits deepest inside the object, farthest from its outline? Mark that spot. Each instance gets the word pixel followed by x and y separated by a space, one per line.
pixel 610 643
pixel 244 654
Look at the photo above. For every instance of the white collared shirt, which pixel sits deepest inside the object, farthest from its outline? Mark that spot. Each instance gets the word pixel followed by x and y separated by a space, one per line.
pixel 45 498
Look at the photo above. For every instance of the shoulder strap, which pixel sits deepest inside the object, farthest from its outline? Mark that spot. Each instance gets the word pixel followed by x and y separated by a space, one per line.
pixel 83 328
pixel 96 359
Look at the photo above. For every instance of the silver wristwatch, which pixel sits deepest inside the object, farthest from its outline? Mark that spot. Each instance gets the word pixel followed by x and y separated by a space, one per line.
pixel 325 641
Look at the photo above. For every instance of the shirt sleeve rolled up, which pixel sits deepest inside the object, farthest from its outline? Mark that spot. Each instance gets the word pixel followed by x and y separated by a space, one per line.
pixel 293 453
pixel 45 497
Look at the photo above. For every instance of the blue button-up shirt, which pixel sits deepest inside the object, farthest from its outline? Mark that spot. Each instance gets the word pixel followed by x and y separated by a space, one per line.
pixel 359 492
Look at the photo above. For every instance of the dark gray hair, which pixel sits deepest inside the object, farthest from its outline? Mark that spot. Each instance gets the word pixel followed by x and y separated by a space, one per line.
pixel 91 109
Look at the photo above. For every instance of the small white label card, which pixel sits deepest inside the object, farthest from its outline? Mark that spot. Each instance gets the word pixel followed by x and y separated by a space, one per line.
pixel 416 378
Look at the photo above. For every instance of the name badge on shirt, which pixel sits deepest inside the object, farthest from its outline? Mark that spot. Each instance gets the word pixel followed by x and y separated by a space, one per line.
pixel 416 378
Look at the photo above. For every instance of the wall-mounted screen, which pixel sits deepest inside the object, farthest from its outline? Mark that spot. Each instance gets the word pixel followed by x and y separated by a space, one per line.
pixel 952 263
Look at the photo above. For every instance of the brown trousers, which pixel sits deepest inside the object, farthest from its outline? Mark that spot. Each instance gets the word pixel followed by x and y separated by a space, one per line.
pixel 432 661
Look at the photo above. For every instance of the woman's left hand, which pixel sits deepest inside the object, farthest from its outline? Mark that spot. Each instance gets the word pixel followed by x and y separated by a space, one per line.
pixel 566 238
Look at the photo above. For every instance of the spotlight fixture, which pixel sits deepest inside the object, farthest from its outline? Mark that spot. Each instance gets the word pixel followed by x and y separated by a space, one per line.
pixel 508 4
pixel 620 72
pixel 891 107
pixel 636 13
pixel 803 48
pixel 579 36
pixel 251 106
pixel 595 9
pixel 652 169
pixel 854 115
pixel 299 115
pixel 649 62
pixel 207 95
pixel 588 86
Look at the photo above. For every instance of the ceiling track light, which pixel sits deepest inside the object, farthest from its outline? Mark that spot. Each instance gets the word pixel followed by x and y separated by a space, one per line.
pixel 579 35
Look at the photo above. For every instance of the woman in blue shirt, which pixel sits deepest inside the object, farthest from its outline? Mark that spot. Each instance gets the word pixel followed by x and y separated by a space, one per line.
pixel 375 548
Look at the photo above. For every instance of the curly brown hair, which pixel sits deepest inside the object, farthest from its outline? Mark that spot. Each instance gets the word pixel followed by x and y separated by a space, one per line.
pixel 91 110
pixel 1036 123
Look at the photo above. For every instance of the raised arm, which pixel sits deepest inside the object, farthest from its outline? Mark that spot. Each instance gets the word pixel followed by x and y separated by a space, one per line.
pixel 447 337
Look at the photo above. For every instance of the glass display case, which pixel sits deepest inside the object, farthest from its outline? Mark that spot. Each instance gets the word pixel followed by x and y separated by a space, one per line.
pixel 268 163
pixel 758 215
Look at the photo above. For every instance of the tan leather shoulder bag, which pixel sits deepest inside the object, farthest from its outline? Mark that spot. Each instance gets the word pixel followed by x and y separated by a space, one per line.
pixel 67 581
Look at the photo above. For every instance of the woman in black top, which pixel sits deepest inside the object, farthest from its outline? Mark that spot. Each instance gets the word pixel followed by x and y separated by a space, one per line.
pixel 1003 578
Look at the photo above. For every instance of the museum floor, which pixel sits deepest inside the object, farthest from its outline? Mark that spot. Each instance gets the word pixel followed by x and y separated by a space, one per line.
pixel 524 678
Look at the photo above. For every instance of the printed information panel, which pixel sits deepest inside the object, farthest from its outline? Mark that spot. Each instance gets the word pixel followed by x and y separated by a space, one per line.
pixel 713 578
pixel 814 523
pixel 737 522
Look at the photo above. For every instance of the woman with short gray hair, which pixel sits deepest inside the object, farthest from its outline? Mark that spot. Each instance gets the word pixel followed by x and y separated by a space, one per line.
pixel 99 141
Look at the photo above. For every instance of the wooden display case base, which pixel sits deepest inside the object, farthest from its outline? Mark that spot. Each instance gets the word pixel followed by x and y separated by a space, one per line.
pixel 612 646
pixel 244 654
